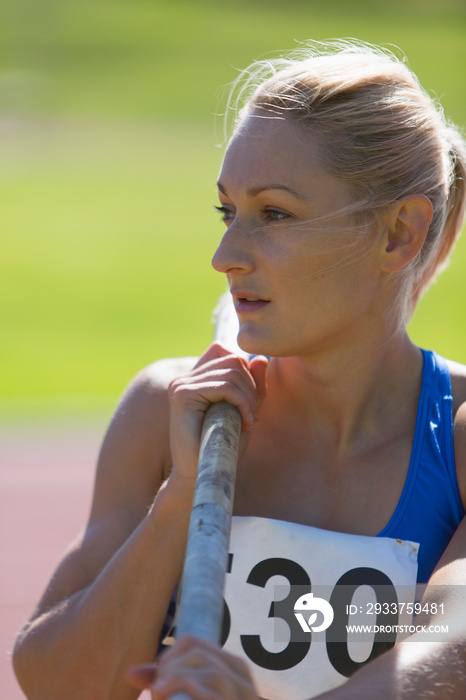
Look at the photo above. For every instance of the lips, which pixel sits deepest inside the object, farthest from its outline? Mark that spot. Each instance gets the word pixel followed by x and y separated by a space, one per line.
pixel 246 301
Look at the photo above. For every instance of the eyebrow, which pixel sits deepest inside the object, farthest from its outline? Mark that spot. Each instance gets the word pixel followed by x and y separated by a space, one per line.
pixel 257 189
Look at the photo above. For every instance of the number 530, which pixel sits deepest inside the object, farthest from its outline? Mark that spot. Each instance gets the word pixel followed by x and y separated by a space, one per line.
pixel 336 634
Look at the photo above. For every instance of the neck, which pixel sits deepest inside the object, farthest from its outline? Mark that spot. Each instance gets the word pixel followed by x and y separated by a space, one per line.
pixel 348 393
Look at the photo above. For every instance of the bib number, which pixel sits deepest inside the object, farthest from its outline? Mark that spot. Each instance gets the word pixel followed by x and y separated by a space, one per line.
pixel 340 600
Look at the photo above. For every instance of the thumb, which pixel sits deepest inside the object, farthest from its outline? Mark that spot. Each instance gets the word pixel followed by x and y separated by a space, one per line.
pixel 142 676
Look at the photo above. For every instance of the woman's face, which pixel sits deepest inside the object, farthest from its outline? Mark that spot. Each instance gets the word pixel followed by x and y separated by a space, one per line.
pixel 300 275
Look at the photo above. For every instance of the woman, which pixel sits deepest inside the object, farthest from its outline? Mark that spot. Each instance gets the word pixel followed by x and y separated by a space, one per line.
pixel 342 191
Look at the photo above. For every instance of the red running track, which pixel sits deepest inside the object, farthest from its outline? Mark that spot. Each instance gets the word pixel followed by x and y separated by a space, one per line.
pixel 46 478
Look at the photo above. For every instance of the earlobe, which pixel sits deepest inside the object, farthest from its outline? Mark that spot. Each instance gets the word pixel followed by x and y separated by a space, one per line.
pixel 407 223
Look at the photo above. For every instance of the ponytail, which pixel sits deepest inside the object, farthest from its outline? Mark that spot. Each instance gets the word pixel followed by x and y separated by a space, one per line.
pixel 455 212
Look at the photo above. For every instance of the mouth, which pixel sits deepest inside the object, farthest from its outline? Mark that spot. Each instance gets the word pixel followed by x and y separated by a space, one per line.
pixel 247 302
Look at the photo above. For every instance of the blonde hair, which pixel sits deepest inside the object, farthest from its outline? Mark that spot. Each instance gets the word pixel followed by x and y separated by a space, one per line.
pixel 380 132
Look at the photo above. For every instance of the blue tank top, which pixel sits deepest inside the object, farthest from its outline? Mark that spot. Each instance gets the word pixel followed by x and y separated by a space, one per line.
pixel 430 507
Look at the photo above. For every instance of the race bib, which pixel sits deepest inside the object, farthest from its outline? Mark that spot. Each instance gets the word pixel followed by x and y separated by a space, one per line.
pixel 307 607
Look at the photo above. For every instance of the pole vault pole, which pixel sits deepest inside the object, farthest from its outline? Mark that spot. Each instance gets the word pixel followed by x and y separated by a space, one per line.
pixel 201 602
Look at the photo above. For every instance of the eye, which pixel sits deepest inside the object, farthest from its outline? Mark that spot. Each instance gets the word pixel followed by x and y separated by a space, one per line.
pixel 269 214
pixel 227 214
pixel 274 214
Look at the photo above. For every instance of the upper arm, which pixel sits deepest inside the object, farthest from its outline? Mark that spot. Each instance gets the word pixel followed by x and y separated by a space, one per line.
pixel 133 462
pixel 451 568
pixel 459 439
pixel 452 565
pixel 458 385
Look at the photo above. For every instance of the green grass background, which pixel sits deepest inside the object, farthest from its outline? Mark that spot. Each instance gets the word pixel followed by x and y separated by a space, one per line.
pixel 107 169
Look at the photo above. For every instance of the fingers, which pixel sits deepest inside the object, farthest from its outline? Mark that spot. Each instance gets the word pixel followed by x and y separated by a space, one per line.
pixel 203 671
pixel 142 676
pixel 233 379
pixel 219 375
pixel 213 352
pixel 228 381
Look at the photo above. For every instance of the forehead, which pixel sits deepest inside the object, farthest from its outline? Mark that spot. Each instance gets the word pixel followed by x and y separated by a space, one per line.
pixel 268 148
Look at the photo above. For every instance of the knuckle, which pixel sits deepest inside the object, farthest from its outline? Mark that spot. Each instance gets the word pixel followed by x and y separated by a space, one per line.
pixel 176 389
pixel 235 372
pixel 175 383
pixel 239 362
pixel 218 680
pixel 218 347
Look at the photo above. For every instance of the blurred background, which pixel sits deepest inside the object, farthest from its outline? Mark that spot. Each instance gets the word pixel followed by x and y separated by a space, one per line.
pixel 109 154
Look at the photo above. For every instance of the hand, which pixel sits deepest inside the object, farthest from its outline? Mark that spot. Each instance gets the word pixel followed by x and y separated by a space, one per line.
pixel 196 667
pixel 218 375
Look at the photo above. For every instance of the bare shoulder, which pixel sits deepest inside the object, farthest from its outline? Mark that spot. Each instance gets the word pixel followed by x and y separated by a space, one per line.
pixel 160 373
pixel 146 395
pixel 135 454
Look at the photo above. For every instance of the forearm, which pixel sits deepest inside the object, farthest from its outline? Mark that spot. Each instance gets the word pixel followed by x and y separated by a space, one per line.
pixel 416 669
pixel 81 648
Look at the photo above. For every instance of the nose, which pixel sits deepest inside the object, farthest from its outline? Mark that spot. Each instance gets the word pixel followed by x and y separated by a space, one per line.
pixel 233 253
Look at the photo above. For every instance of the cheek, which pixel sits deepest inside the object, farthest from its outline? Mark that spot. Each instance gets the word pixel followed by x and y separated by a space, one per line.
pixel 319 256
pixel 329 277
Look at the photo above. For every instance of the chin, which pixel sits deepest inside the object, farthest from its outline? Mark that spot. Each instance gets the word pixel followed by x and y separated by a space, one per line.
pixel 258 346
pixel 271 346
pixel 252 346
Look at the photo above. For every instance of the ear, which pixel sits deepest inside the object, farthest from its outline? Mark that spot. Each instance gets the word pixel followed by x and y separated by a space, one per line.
pixel 406 224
